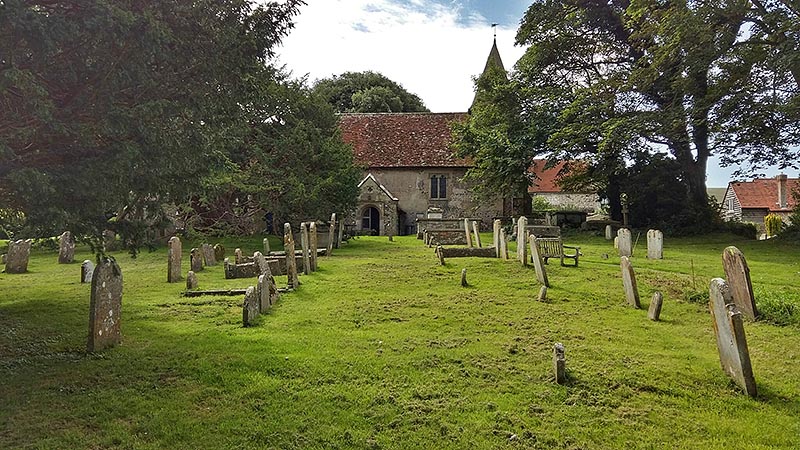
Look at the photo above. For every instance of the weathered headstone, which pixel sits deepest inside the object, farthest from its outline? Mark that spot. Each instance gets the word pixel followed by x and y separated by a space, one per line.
pixel 731 341
pixel 609 233
pixel 19 253
pixel 559 363
pixel 262 292
pixel 266 246
pixel 105 306
pixel 209 258
pixel 66 248
pixel 238 257
pixel 331 235
pixel 543 294
pixel 219 252
pixel 629 282
pixel 654 312
pixel 250 307
pixel 497 225
pixel 522 240
pixel 503 244
pixel 314 243
pixel 174 252
pixel 304 246
pixel 467 232
pixel 291 263
pixel 476 231
pixel 191 280
pixel 261 263
pixel 464 277
pixel 196 260
pixel 737 273
pixel 616 243
pixel 440 254
pixel 538 262
pixel 87 270
pixel 655 244
pixel 624 242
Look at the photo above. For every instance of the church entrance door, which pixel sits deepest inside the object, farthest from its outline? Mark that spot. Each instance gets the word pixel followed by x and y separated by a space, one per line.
pixel 371 220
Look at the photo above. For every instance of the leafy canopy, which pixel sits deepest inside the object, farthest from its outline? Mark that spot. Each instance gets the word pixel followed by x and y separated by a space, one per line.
pixel 367 92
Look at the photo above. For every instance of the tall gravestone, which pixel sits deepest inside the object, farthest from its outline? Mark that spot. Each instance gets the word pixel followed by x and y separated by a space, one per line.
pixel 476 231
pixel 219 252
pixel 538 262
pixel 174 252
pixel 291 262
pixel 655 244
pixel 331 235
pixel 209 257
pixel 497 224
pixel 522 254
pixel 265 242
pixel 609 233
pixel 250 307
pixel 738 275
pixel 66 248
pixel 196 260
pixel 19 253
pixel 467 232
pixel 503 244
pixel 87 271
pixel 304 246
pixel 629 283
pixel 105 306
pixel 624 242
pixel 731 341
pixel 313 239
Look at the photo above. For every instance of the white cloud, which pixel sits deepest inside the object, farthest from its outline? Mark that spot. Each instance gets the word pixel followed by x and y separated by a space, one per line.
pixel 421 46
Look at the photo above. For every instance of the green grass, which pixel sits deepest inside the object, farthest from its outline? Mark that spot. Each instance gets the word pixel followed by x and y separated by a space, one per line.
pixel 382 348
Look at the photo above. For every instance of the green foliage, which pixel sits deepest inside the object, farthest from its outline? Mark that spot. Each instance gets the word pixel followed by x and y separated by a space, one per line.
pixel 541 204
pixel 366 92
pixel 775 308
pixel 773 224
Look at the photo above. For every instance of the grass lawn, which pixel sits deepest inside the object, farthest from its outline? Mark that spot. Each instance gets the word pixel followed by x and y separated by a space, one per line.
pixel 383 348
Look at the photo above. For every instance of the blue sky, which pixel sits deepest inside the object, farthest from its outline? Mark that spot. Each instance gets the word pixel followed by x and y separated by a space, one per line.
pixel 432 47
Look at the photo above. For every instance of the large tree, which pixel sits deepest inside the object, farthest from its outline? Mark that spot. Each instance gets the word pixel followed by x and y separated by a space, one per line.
pixel 367 92
pixel 110 109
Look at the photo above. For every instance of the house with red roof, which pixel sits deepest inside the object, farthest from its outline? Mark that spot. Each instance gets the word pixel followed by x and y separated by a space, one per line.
pixel 546 184
pixel 751 201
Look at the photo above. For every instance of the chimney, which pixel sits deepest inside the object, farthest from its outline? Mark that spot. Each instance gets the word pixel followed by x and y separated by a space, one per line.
pixel 782 203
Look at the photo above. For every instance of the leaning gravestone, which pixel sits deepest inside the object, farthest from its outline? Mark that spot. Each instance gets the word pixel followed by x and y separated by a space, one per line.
pixel 738 275
pixel 497 225
pixel 467 232
pixel 655 244
pixel 654 312
pixel 331 235
pixel 313 240
pixel 476 232
pixel 250 307
pixel 191 281
pixel 291 263
pixel 559 363
pixel 629 282
pixel 209 258
pixel 174 251
pixel 87 270
pixel 538 263
pixel 304 244
pixel 522 255
pixel 66 248
pixel 624 242
pixel 19 252
pixel 196 260
pixel 731 341
pixel 609 233
pixel 105 307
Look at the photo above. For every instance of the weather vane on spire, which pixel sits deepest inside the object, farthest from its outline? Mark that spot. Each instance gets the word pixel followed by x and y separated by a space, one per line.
pixel 494 28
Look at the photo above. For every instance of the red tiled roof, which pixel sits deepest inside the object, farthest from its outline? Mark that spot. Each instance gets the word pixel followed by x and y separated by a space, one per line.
pixel 401 139
pixel 763 193
pixel 546 179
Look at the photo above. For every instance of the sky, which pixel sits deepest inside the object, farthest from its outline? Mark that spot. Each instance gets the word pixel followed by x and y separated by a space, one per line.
pixel 433 48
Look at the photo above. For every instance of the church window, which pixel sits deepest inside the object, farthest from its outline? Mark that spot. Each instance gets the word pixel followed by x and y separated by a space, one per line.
pixel 438 186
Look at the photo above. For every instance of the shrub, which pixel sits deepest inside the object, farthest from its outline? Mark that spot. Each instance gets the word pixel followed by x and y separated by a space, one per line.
pixel 744 229
pixel 773 224
pixel 777 310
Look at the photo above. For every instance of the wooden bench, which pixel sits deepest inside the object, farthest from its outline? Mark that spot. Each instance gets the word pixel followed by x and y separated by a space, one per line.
pixel 553 247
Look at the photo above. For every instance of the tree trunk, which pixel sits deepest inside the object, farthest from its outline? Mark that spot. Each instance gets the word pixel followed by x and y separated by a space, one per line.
pixel 614 200
pixel 527 203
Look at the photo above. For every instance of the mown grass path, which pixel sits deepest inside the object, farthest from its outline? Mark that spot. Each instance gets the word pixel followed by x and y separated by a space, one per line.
pixel 382 348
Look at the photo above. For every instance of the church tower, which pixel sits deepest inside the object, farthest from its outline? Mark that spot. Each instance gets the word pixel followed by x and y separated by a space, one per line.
pixel 493 62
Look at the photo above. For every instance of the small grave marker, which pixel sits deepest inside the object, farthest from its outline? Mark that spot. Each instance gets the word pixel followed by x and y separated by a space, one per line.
pixel 219 252
pixel 624 242
pixel 105 306
pixel 629 283
pixel 250 307
pixel 655 244
pixel 87 270
pixel 238 256
pixel 654 312
pixel 464 277
pixel 609 233
pixel 196 260
pixel 174 253
pixel 191 281
pixel 19 253
pixel 731 341
pixel 440 255
pixel 559 363
pixel 66 248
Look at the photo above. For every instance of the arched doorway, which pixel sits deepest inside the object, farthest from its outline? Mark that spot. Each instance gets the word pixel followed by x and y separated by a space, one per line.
pixel 371 220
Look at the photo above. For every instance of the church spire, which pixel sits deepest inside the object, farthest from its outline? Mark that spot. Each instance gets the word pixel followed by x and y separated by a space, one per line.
pixel 493 61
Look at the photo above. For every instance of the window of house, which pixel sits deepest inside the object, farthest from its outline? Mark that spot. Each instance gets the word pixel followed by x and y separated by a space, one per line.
pixel 438 186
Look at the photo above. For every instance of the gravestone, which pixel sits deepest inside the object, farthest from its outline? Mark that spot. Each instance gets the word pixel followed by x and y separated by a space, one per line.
pixel 209 257
pixel 191 281
pixel 291 263
pixel 304 246
pixel 331 232
pixel 624 242
pixel 737 273
pixel 105 306
pixel 467 232
pixel 19 253
pixel 196 260
pixel 340 236
pixel 66 248
pixel 174 252
pixel 543 294
pixel 262 292
pixel 238 257
pixel 616 243
pixel 266 246
pixel 538 262
pixel 314 243
pixel 503 244
pixel 497 225
pixel 440 254
pixel 250 307
pixel 559 363
pixel 87 270
pixel 476 232
pixel 655 244
pixel 261 263
pixel 522 239
pixel 464 277
pixel 654 312
pixel 3 259
pixel 219 252
pixel 629 283
pixel 609 233
pixel 731 341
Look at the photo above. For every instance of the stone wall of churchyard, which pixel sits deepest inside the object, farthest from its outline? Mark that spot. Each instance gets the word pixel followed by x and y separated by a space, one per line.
pixel 412 188
pixel 581 202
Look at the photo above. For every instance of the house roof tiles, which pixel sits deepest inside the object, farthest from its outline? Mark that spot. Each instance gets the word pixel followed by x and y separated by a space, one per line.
pixel 763 193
